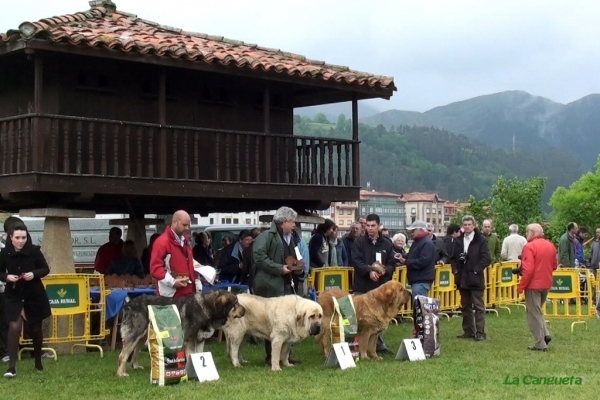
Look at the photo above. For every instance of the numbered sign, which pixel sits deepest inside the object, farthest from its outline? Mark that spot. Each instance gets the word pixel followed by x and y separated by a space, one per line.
pixel 341 355
pixel 411 349
pixel 204 367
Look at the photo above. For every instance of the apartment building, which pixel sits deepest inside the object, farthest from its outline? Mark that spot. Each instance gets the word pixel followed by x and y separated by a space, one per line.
pixel 426 207
pixel 389 206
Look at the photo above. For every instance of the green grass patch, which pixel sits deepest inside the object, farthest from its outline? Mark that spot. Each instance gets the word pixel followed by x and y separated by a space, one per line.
pixel 465 370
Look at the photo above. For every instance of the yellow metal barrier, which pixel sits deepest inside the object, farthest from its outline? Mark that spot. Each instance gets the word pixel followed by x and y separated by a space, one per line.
pixel 506 286
pixel 489 293
pixel 566 300
pixel 331 277
pixel 406 311
pixel 444 289
pixel 70 300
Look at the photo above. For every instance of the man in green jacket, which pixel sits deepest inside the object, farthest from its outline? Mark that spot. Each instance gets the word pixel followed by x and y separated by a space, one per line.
pixel 566 246
pixel 493 242
pixel 271 277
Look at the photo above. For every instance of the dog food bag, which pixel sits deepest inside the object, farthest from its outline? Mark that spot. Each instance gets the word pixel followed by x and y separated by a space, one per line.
pixel 344 325
pixel 166 346
pixel 427 324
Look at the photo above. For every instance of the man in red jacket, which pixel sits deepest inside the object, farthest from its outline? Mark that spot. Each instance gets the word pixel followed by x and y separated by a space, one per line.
pixel 171 261
pixel 538 261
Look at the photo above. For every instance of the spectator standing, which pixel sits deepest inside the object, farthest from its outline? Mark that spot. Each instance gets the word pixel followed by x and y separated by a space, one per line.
pixel 272 278
pixel 566 246
pixel 420 260
pixel 367 249
pixel 470 257
pixel 513 244
pixel 538 261
pixel 22 267
pixel 492 240
pixel 172 262
pixel 349 238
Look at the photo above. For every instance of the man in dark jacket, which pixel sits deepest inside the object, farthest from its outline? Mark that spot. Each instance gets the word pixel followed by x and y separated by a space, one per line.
pixel 232 259
pixel 470 258
pixel 349 239
pixel 452 233
pixel 420 261
pixel 441 255
pixel 367 249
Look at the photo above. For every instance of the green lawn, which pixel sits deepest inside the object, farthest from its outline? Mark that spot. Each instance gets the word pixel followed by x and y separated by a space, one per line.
pixel 465 370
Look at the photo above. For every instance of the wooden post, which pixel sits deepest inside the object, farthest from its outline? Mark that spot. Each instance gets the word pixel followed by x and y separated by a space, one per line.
pixel 267 121
pixel 356 145
pixel 162 119
pixel 37 142
pixel 267 109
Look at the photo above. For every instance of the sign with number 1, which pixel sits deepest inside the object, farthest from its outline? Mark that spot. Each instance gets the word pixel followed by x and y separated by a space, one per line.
pixel 341 355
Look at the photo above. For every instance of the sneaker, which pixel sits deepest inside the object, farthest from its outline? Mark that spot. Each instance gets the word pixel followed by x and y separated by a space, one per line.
pixel 39 367
pixel 547 339
pixel 11 373
pixel 5 359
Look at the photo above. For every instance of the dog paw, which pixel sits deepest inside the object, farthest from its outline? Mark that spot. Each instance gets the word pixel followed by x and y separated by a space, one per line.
pixel 287 364
pixel 378 358
pixel 137 367
pixel 244 361
pixel 276 369
pixel 124 374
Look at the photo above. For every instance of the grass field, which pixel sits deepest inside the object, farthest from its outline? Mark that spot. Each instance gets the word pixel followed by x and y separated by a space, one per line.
pixel 465 370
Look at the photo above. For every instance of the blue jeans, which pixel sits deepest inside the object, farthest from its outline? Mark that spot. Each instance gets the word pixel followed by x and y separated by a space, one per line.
pixel 420 289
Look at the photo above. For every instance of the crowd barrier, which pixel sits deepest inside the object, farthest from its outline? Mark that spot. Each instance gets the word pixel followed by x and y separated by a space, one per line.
pixel 331 278
pixel 573 294
pixel 73 310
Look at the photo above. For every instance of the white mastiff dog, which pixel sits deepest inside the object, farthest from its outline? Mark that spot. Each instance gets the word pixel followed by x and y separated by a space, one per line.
pixel 283 320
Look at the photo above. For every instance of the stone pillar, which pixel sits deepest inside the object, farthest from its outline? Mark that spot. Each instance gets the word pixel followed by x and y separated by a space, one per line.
pixel 136 230
pixel 56 243
pixel 58 252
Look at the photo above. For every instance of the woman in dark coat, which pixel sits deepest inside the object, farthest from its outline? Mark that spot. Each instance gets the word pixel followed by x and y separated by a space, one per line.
pixel 22 265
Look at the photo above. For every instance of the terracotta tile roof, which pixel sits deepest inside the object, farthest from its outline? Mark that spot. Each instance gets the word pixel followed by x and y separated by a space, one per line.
pixel 104 26
pixel 421 196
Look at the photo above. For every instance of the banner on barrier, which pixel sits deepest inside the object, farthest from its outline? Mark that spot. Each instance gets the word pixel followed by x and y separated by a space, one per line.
pixel 565 285
pixel 67 295
pixel 505 276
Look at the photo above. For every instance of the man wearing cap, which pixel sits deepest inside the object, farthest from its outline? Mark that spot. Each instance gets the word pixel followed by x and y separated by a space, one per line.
pixel 232 259
pixel 420 261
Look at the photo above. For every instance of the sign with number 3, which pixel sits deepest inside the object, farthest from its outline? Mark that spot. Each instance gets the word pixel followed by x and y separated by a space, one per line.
pixel 411 349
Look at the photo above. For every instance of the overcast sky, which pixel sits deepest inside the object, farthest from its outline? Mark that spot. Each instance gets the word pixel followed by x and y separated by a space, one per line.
pixel 437 51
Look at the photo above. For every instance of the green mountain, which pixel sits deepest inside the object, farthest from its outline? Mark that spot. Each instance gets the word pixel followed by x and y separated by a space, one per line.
pixel 502 119
pixel 415 158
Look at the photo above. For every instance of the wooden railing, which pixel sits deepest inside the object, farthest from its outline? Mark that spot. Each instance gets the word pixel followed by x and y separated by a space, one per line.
pixel 87 146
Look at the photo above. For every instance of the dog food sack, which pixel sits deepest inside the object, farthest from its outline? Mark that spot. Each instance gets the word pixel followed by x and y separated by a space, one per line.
pixel 427 324
pixel 166 346
pixel 344 325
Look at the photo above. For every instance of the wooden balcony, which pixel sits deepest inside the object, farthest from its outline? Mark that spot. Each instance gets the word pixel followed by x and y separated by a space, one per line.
pixel 94 162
